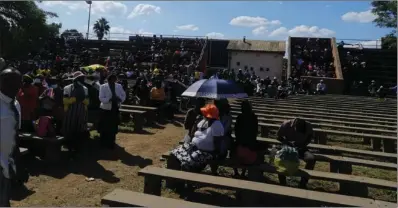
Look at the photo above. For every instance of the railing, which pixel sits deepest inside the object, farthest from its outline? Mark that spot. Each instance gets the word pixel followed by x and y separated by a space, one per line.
pixel 360 43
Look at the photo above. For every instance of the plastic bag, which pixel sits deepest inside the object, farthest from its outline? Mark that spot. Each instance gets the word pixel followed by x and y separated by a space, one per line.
pixel 287 160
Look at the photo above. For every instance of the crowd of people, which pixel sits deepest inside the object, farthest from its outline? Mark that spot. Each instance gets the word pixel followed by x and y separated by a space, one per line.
pixel 312 57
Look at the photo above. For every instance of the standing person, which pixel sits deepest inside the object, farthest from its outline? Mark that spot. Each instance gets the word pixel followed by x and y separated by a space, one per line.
pixel 75 106
pixel 10 169
pixel 297 133
pixel 28 97
pixel 245 144
pixel 111 95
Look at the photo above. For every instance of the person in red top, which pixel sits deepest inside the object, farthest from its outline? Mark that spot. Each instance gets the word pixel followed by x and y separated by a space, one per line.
pixel 28 97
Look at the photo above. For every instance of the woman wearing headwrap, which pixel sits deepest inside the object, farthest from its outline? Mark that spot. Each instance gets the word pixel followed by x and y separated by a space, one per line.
pixel 75 106
pixel 195 155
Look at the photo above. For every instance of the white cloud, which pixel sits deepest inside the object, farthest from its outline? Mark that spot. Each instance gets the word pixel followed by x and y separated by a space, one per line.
pixel 259 30
pixel 282 31
pixel 190 27
pixel 68 13
pixel 144 9
pixel 247 21
pixel 143 32
pixel 100 8
pixel 361 17
pixel 302 31
pixel 215 35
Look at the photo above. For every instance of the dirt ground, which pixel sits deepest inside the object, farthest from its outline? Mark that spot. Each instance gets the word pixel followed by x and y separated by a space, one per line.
pixel 64 183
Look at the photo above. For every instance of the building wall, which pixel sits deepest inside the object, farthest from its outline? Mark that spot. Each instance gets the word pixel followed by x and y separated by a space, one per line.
pixel 273 61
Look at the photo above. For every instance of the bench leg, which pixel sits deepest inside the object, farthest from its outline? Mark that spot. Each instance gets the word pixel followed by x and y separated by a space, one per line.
pixel 367 141
pixel 334 167
pixel 264 131
pixel 173 164
pixel 138 122
pixel 376 144
pixel 152 185
pixel 53 152
pixel 388 146
pixel 351 188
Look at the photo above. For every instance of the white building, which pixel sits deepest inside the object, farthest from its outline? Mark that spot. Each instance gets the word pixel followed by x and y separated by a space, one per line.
pixel 265 58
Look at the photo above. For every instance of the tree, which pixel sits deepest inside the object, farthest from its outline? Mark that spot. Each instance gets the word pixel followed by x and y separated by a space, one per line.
pixel 72 34
pixel 23 24
pixel 386 12
pixel 101 28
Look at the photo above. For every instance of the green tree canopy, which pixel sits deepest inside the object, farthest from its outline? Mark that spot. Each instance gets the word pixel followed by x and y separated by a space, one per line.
pixel 72 34
pixel 23 28
pixel 386 12
pixel 101 28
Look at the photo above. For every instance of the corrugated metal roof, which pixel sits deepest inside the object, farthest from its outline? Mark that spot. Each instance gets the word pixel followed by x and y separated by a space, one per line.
pixel 257 45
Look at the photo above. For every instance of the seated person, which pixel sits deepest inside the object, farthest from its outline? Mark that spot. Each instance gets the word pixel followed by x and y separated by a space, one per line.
pixel 157 95
pixel 381 93
pixel 320 88
pixel 297 133
pixel 191 117
pixel 372 89
pixel 281 93
pixel 28 97
pixel 195 155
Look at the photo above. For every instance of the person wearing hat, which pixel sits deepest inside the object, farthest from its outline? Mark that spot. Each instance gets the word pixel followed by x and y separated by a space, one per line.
pixel 75 107
pixel 194 156
pixel 111 96
pixel 381 92
pixel 321 88
pixel 28 97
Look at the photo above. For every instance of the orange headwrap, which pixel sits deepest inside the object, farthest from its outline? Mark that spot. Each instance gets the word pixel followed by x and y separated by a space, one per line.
pixel 210 111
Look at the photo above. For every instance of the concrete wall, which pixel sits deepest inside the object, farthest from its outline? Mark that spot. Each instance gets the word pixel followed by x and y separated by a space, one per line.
pixel 273 61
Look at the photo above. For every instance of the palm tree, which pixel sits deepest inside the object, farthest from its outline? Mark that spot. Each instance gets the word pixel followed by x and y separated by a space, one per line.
pixel 101 28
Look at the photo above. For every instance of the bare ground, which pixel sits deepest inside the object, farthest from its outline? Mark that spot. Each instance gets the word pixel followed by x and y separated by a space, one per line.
pixel 64 183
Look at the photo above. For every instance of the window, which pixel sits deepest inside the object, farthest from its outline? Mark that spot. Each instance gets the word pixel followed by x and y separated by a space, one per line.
pixel 267 69
pixel 238 63
pixel 261 69
pixel 246 67
pixel 251 69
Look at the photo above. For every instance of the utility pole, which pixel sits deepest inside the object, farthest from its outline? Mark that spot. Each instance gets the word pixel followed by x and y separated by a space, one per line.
pixel 89 16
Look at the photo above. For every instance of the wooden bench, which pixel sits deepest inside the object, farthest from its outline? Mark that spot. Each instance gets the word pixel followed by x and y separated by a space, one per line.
pixel 252 190
pixel 318 106
pixel 324 114
pixel 316 109
pixel 336 150
pixel 340 172
pixel 338 105
pixel 320 137
pixel 332 126
pixel 125 198
pixel 35 144
pixel 137 115
pixel 150 111
pixel 317 120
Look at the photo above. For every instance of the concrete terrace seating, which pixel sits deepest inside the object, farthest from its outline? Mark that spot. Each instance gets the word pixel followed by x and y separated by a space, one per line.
pixel 251 191
pixel 47 147
pixel 125 198
pixel 317 108
pixel 321 137
pixel 329 121
pixel 324 112
pixel 330 126
pixel 137 115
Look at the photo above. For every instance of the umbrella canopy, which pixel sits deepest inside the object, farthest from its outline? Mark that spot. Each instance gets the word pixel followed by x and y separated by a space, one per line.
pixel 214 88
pixel 93 67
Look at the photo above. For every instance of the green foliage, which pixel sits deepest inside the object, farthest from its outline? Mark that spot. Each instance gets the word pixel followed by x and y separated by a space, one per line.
pixel 72 33
pixel 101 28
pixel 23 28
pixel 386 12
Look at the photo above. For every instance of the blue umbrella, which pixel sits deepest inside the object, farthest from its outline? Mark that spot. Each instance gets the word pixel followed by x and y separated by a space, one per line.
pixel 214 88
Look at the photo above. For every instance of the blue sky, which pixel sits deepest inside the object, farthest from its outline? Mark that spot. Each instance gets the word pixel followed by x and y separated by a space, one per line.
pixel 260 20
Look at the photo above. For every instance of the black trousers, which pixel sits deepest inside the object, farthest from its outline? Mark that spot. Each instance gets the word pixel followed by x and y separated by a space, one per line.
pixel 108 127
pixel 309 160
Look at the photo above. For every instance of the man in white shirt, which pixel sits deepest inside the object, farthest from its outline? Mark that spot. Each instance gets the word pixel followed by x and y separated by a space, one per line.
pixel 320 88
pixel 10 83
pixel 111 95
